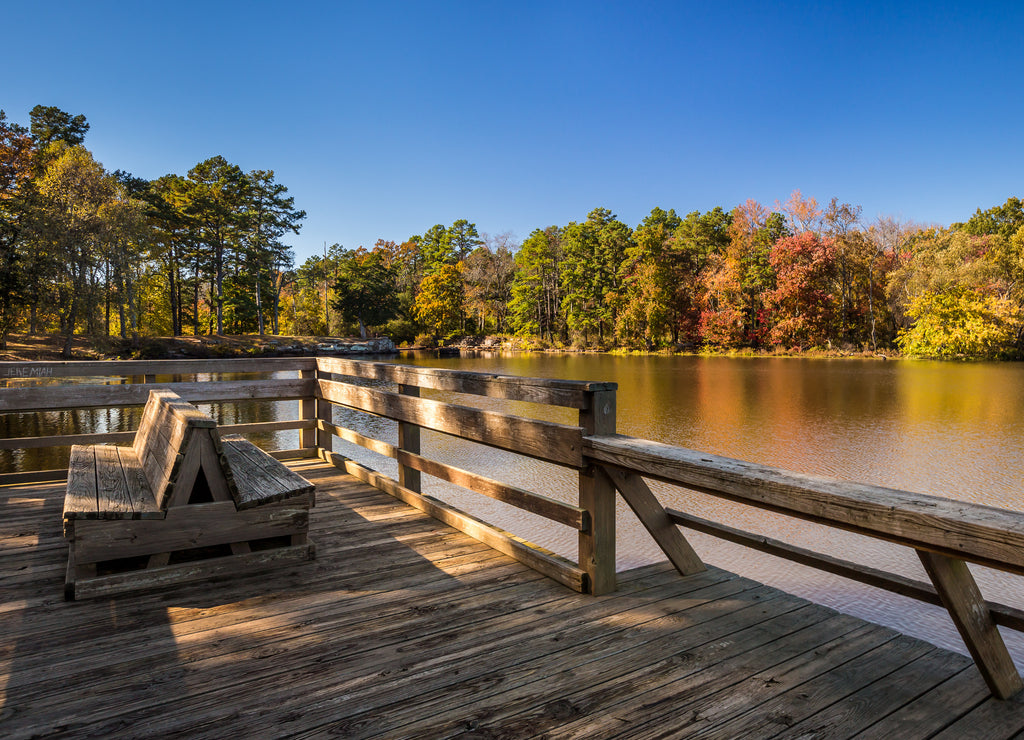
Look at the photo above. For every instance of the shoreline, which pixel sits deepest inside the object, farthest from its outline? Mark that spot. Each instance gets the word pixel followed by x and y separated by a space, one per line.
pixel 514 345
pixel 47 348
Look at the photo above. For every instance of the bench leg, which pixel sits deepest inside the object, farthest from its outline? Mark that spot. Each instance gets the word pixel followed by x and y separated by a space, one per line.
pixel 76 571
pixel 69 578
pixel 302 538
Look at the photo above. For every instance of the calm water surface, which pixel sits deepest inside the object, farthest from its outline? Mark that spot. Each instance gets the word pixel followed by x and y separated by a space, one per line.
pixel 954 430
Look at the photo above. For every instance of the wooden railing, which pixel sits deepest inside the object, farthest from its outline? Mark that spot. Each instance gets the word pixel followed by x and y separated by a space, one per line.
pixel 946 534
pixel 559 444
pixel 322 383
pixel 124 384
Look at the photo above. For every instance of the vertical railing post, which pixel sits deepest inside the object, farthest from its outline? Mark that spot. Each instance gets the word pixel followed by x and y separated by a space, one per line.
pixel 597 496
pixel 324 413
pixel 409 440
pixel 307 412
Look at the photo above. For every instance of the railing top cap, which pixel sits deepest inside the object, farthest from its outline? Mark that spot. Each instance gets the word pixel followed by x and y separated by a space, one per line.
pixel 345 365
pixel 85 368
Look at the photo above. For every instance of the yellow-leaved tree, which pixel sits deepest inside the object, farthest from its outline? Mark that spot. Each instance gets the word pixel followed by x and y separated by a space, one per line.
pixel 961 322
pixel 439 302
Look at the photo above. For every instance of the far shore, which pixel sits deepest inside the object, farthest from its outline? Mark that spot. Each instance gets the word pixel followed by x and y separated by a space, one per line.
pixel 48 347
pixel 29 348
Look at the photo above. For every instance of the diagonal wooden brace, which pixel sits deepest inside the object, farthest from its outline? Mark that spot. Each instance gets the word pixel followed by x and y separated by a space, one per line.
pixel 652 515
pixel 962 598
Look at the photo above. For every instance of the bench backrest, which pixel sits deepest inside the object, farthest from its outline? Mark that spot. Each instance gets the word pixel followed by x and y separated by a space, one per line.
pixel 168 424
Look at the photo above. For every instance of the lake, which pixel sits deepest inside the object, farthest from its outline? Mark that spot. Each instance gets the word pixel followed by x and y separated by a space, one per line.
pixel 954 430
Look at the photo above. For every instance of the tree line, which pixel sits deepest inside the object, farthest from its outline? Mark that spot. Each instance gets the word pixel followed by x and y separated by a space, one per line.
pixel 84 250
pixel 794 277
pixel 106 253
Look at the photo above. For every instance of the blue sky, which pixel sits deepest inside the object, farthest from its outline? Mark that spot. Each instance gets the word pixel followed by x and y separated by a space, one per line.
pixel 384 118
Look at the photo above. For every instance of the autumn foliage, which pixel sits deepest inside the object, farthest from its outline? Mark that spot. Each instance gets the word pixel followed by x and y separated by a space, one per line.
pixel 83 250
pixel 802 304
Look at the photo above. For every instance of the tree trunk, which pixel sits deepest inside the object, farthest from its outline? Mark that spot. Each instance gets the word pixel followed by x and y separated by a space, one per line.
pixel 106 302
pixel 172 284
pixel 274 320
pixel 871 304
pixel 90 318
pixel 327 309
pixel 77 290
pixel 219 293
pixel 259 304
pixel 120 303
pixel 70 332
pixel 216 318
pixel 133 312
pixel 195 302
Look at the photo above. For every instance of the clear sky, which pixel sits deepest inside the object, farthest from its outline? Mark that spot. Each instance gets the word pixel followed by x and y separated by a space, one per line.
pixel 384 118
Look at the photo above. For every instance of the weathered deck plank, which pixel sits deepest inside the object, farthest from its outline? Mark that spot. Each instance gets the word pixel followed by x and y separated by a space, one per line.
pixel 406 628
pixel 717 668
pixel 930 712
pixel 607 676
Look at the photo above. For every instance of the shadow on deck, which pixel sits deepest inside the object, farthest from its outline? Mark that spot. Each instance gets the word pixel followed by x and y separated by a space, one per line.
pixel 403 627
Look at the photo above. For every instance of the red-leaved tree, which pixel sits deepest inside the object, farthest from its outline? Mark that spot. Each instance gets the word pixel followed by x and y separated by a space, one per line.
pixel 802 306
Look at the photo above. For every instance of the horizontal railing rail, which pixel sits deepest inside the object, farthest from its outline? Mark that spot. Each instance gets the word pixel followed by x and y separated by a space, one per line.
pixel 67 440
pixel 130 368
pixel 66 397
pixel 570 393
pixel 1006 616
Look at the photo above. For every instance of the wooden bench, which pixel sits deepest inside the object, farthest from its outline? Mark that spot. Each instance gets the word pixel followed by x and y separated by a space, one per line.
pixel 181 504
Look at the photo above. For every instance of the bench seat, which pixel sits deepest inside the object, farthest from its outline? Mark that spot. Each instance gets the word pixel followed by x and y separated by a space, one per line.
pixel 181 503
pixel 107 482
pixel 258 477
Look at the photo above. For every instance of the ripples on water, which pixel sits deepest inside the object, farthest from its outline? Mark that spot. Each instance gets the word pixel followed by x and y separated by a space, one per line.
pixel 954 430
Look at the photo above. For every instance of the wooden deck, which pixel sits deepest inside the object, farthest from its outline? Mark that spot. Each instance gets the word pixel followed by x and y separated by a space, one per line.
pixel 405 628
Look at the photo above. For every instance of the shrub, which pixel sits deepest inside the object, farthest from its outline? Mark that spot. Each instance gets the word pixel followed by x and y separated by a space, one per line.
pixel 400 330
